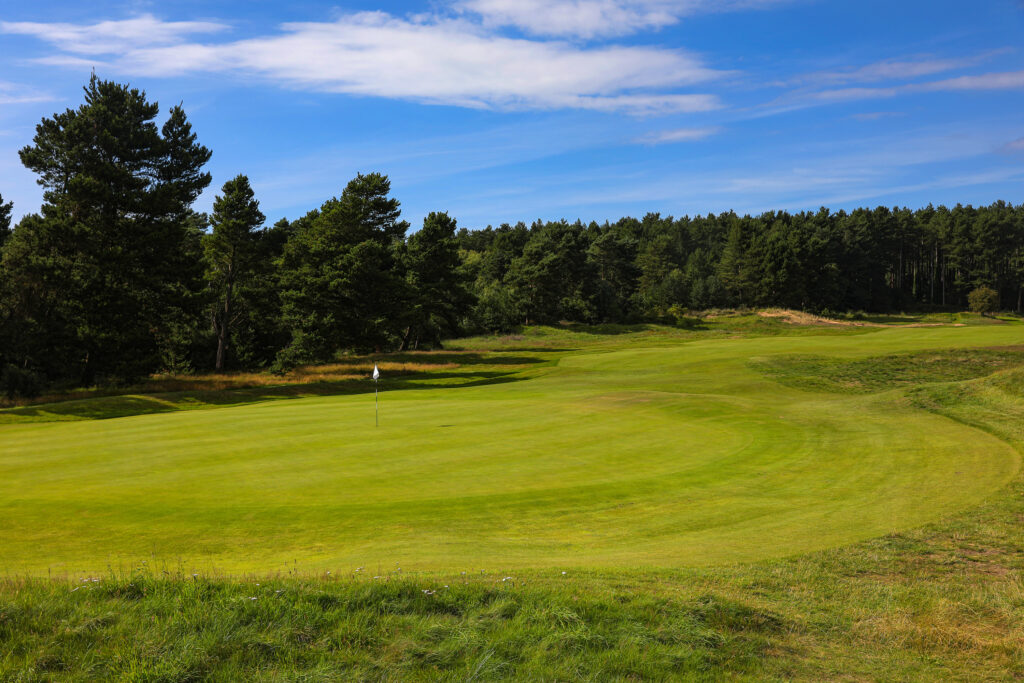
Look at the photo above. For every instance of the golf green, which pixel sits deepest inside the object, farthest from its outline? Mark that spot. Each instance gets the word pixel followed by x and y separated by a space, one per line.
pixel 624 453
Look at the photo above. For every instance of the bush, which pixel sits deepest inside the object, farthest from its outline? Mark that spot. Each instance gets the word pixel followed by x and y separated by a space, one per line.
pixel 681 319
pixel 18 382
pixel 983 300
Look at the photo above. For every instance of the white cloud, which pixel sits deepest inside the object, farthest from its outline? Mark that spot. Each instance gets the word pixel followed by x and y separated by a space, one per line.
pixel 595 18
pixel 440 61
pixel 583 18
pixel 678 135
pixel 1014 146
pixel 110 36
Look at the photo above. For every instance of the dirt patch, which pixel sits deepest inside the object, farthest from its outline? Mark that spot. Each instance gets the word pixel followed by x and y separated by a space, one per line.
pixel 801 318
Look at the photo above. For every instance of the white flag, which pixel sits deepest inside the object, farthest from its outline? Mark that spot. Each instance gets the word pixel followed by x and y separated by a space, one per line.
pixel 376 372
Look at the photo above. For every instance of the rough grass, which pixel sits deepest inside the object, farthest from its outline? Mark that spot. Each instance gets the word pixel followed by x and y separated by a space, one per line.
pixel 881 373
pixel 181 628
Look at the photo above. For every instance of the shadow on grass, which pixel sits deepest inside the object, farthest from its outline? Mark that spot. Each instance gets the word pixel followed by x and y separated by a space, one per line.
pixel 109 407
pixel 881 319
pixel 463 357
pixel 608 329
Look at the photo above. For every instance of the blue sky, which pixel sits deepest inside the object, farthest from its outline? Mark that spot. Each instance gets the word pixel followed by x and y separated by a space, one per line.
pixel 505 110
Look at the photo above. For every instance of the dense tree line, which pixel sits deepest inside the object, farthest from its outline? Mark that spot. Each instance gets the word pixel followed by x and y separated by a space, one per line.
pixel 117 277
pixel 868 260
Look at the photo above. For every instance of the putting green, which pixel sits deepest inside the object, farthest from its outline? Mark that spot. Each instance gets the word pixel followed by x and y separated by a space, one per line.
pixel 621 454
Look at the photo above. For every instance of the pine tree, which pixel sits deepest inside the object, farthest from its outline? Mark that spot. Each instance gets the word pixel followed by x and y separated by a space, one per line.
pixel 110 266
pixel 438 286
pixel 342 284
pixel 231 250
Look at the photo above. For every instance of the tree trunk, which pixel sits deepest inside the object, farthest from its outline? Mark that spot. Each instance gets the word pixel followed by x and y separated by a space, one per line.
pixel 225 323
pixel 88 372
pixel 222 330
pixel 405 339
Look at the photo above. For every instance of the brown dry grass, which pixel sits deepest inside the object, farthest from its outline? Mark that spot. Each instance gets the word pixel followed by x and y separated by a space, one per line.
pixel 801 318
pixel 224 381
pixel 793 317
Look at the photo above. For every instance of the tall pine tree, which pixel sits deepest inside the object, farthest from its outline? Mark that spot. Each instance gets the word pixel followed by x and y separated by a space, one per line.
pixel 342 282
pixel 231 250
pixel 110 266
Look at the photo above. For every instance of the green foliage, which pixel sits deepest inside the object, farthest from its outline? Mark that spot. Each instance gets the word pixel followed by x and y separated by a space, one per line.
pixel 18 382
pixel 552 279
pixel 983 300
pixel 231 251
pixel 5 220
pixel 880 260
pixel 95 282
pixel 341 277
pixel 438 284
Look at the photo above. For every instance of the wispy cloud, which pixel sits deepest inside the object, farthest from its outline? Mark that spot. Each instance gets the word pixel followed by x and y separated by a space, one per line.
pixel 663 137
pixel 1014 146
pixel 1007 80
pixel 801 99
pixel 909 166
pixel 596 18
pixel 432 60
pixel 16 93
pixel 890 70
pixel 112 36
pixel 875 115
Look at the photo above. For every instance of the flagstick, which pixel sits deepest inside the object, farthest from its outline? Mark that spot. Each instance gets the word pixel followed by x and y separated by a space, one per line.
pixel 376 399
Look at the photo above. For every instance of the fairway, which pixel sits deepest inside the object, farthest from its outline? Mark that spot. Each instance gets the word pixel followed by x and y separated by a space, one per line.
pixel 639 451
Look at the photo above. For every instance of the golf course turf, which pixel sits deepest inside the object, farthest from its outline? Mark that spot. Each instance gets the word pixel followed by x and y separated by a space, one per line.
pixel 634 459
pixel 665 452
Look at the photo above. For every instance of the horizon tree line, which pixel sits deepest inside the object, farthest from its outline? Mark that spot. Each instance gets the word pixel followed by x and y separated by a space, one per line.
pixel 118 277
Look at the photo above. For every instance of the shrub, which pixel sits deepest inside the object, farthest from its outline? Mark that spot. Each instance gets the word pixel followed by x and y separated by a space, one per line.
pixel 983 300
pixel 18 382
